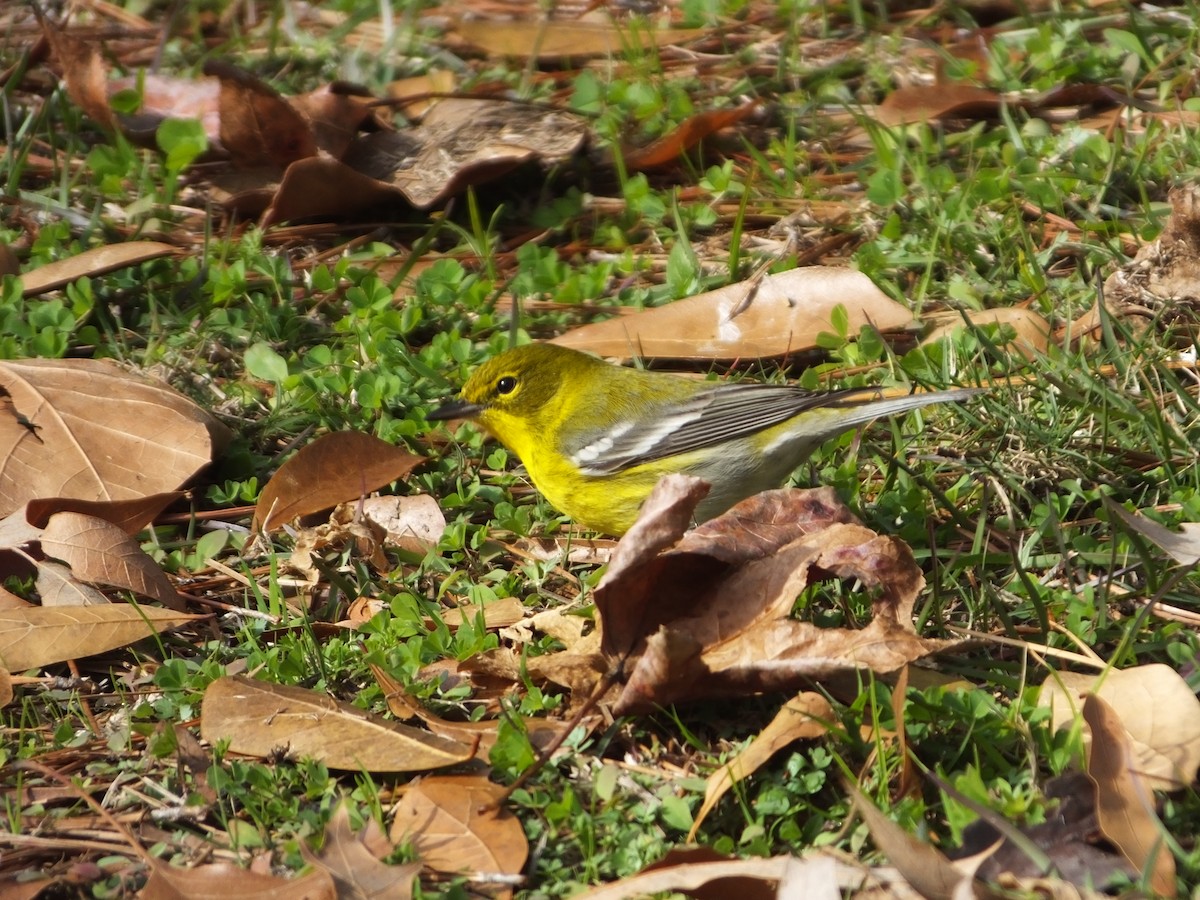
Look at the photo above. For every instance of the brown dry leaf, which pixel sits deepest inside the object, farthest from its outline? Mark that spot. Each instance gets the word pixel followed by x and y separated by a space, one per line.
pixel 462 142
pixel 131 516
pixel 9 263
pixel 400 702
pixel 100 552
pixel 687 135
pixel 223 881
pixel 1163 280
pixel 412 93
pixel 711 616
pixel 84 72
pixel 803 717
pixel 1032 331
pixel 772 316
pixel 258 126
pixel 6 688
pixel 37 636
pixel 699 872
pixel 353 861
pixel 91 430
pixel 498 614
pixel 1183 546
pixel 924 103
pixel 548 40
pixel 257 717
pixel 922 865
pixel 336 113
pixel 57 586
pixel 336 467
pixel 454 828
pixel 1124 802
pixel 413 523
pixel 1157 708
pixel 92 263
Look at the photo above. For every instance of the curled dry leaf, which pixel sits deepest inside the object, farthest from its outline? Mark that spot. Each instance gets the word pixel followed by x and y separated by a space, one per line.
pixel 91 430
pixel 1124 802
pixel 923 866
pixel 771 316
pixel 37 636
pixel 1157 708
pixel 332 469
pixel 131 516
pixel 708 613
pixel 258 126
pixel 454 826
pixel 257 717
pixel 807 715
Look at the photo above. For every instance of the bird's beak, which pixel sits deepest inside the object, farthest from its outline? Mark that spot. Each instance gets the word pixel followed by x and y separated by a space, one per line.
pixel 455 409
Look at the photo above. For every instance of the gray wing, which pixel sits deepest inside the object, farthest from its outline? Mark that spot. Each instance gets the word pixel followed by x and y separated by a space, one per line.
pixel 721 413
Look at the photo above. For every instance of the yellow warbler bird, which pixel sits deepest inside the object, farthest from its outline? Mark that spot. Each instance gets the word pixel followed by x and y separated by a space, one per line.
pixel 596 437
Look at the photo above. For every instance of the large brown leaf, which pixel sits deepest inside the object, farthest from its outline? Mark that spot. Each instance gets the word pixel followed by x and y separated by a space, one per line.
pixel 769 316
pixel 37 636
pixel 344 465
pixel 454 826
pixel 257 717
pixel 91 430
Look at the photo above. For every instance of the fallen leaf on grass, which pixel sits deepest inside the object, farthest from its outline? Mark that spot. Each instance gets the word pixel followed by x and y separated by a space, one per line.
pixel 1031 331
pixel 6 688
pixel 223 881
pixel 1183 545
pixel 1124 801
pixel 332 469
pixel 413 523
pixel 131 516
pixel 706 875
pixel 687 135
pixel 354 861
pixel 37 636
pixel 711 616
pixel 90 264
pixel 257 718
pixel 923 866
pixel 84 73
pixel 771 316
pixel 708 614
pixel 548 40
pixel 100 552
pixel 1157 708
pixel 922 103
pixel 498 614
pixel 807 715
pixel 258 126
pixel 91 430
pixel 454 827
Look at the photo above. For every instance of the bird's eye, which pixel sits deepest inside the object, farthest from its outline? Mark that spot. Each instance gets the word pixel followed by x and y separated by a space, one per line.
pixel 506 385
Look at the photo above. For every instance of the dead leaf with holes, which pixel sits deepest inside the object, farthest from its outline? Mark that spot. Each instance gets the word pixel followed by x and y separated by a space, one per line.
pixel 89 429
pixel 257 718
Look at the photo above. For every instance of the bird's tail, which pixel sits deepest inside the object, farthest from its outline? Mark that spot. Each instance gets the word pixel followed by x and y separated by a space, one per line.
pixel 857 407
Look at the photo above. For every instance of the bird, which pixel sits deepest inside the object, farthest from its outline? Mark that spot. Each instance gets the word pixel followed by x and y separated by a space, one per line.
pixel 595 437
